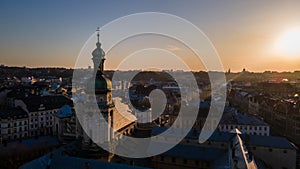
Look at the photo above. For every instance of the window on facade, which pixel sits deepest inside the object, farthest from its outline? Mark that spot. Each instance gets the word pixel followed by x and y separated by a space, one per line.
pixel 284 151
pixel 185 161
pixel 15 124
pixel 197 162
pixel 173 159
pixel 8 125
pixel 270 150
pixel 8 131
pixel 20 123
pixel 162 158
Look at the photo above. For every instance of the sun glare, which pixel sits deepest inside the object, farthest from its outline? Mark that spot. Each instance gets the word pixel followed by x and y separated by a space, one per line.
pixel 289 42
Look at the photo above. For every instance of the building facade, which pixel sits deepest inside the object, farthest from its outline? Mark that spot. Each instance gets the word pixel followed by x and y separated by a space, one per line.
pixel 247 124
pixel 41 110
pixel 14 124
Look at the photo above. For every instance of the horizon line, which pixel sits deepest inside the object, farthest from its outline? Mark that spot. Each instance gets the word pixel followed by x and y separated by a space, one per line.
pixel 60 67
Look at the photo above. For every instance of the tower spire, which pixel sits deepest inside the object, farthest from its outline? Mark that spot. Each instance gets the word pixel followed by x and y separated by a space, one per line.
pixel 98 55
pixel 98 30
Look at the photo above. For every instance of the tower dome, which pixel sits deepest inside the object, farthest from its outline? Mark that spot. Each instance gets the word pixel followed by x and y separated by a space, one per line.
pixel 98 53
pixel 102 84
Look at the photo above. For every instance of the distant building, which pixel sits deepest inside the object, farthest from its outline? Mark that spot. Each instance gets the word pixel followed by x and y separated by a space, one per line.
pixel 221 150
pixel 13 124
pixel 276 152
pixel 224 150
pixel 283 115
pixel 277 89
pixel 247 124
pixel 253 104
pixel 40 111
pixel 65 124
pixel 239 99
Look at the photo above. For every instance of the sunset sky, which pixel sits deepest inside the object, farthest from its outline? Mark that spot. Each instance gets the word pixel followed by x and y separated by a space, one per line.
pixel 256 35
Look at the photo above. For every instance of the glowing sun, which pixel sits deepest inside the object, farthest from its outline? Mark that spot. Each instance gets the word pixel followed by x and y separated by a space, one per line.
pixel 289 42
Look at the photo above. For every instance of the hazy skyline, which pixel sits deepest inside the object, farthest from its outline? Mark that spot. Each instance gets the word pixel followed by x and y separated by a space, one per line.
pixel 245 33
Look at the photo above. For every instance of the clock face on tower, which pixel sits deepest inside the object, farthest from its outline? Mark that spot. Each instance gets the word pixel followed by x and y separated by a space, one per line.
pixel 101 98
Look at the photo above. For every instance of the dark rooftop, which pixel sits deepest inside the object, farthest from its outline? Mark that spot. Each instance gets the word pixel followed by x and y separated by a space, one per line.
pixel 270 141
pixel 17 113
pixel 49 102
pixel 216 136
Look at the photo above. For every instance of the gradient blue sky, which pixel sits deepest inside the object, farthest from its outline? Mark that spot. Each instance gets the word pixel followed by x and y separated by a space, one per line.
pixel 51 33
